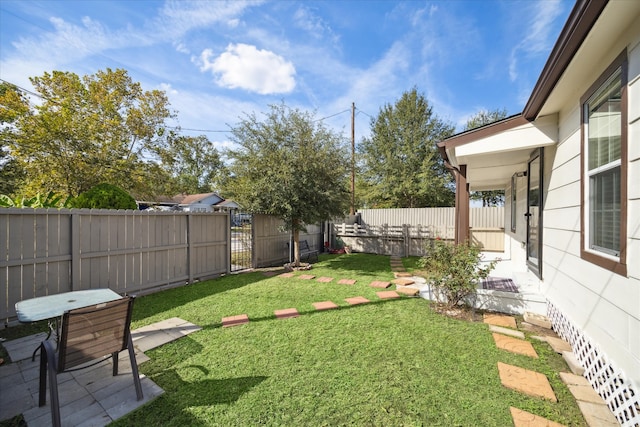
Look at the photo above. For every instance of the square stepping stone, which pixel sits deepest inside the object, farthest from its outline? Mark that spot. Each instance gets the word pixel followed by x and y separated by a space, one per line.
pixel 537 319
pixel 514 345
pixel 240 319
pixel 325 305
pixel 306 276
pixel 526 419
pixel 269 273
pixel 346 282
pixel 580 388
pixel 380 284
pixel 559 345
pixel 526 381
pixel 403 282
pixel 597 415
pixel 400 274
pixel 286 313
pixel 387 294
pixel 500 320
pixel 286 275
pixel 324 279
pixel 407 290
pixel 357 300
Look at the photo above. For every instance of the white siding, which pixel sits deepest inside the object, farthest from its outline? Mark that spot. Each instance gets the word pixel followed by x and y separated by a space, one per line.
pixel 604 305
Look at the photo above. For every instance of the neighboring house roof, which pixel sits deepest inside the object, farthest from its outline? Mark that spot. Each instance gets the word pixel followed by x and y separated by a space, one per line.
pixel 188 199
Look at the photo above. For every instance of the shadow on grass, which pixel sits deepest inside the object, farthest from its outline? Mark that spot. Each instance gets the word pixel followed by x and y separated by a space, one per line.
pixel 151 304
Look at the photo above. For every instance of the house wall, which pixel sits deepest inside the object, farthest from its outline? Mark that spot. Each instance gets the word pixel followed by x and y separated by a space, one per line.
pixel 596 310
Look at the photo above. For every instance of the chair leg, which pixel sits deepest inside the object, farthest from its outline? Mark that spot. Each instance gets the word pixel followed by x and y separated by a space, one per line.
pixel 134 369
pixel 48 366
pixel 114 360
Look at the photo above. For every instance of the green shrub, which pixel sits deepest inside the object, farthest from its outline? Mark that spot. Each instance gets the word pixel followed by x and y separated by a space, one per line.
pixel 49 200
pixel 105 196
pixel 454 270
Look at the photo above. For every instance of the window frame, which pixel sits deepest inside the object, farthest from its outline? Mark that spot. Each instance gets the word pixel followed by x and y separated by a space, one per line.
pixel 616 264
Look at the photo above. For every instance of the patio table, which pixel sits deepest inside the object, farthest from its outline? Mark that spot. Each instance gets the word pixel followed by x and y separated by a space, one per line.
pixel 52 307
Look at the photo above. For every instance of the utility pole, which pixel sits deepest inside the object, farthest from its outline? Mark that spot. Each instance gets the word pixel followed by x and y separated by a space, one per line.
pixel 352 211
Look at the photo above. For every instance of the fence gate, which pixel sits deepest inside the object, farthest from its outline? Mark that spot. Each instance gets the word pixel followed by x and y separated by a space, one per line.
pixel 241 241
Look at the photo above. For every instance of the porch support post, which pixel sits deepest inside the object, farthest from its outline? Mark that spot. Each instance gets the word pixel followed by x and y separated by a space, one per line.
pixel 462 205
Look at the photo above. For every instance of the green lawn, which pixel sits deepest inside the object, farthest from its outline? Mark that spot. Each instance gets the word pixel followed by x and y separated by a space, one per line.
pixel 387 363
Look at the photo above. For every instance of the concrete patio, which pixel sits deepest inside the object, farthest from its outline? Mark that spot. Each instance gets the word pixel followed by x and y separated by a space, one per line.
pixel 88 397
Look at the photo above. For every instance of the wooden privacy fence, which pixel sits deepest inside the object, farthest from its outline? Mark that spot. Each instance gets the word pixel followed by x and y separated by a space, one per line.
pixel 49 251
pixel 405 232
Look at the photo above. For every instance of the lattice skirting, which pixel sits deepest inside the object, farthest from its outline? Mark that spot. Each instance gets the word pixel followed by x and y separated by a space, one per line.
pixel 604 376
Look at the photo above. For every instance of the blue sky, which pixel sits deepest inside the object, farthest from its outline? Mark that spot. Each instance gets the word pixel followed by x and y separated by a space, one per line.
pixel 218 60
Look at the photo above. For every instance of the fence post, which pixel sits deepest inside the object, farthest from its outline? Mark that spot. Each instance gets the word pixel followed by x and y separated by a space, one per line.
pixel 407 239
pixel 190 259
pixel 75 250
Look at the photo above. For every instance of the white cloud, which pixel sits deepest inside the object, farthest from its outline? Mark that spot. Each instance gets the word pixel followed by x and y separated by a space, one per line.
pixel 538 37
pixel 246 67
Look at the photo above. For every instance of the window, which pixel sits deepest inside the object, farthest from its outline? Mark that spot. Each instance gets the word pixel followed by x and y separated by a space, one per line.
pixel 604 169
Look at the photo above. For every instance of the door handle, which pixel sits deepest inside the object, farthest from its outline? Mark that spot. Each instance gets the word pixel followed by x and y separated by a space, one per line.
pixel 527 215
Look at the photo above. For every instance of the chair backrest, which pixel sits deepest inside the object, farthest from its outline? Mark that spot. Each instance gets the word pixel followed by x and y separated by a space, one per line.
pixel 89 333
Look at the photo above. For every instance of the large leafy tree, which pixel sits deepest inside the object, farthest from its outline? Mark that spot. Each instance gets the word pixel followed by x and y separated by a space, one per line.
pixel 192 162
pixel 401 167
pixel 12 105
pixel 481 118
pixel 84 131
pixel 291 166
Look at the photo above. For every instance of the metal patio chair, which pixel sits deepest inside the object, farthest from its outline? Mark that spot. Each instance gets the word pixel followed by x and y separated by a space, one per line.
pixel 89 334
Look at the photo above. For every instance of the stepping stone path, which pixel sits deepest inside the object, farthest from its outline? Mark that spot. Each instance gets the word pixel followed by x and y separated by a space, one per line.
pixel 507 337
pixel 240 319
pixel 403 282
pixel 526 381
pixel 324 279
pixel 286 313
pixel 306 276
pixel 346 282
pixel 357 300
pixel 325 305
pixel 380 284
pixel 387 294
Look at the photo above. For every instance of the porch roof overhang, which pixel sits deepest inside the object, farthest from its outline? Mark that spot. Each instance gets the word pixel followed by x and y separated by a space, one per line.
pixel 496 152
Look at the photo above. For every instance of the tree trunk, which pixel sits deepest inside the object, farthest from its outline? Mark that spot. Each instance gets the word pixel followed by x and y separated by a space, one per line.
pixel 296 243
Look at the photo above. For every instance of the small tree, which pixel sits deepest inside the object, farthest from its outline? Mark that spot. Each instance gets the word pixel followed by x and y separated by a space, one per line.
pixel 291 166
pixel 454 270
pixel 104 196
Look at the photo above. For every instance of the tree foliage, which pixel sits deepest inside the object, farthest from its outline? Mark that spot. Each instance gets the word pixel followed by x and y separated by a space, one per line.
pixel 104 196
pixel 84 131
pixel 12 104
pixel 482 118
pixel 291 166
pixel 400 164
pixel 192 162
